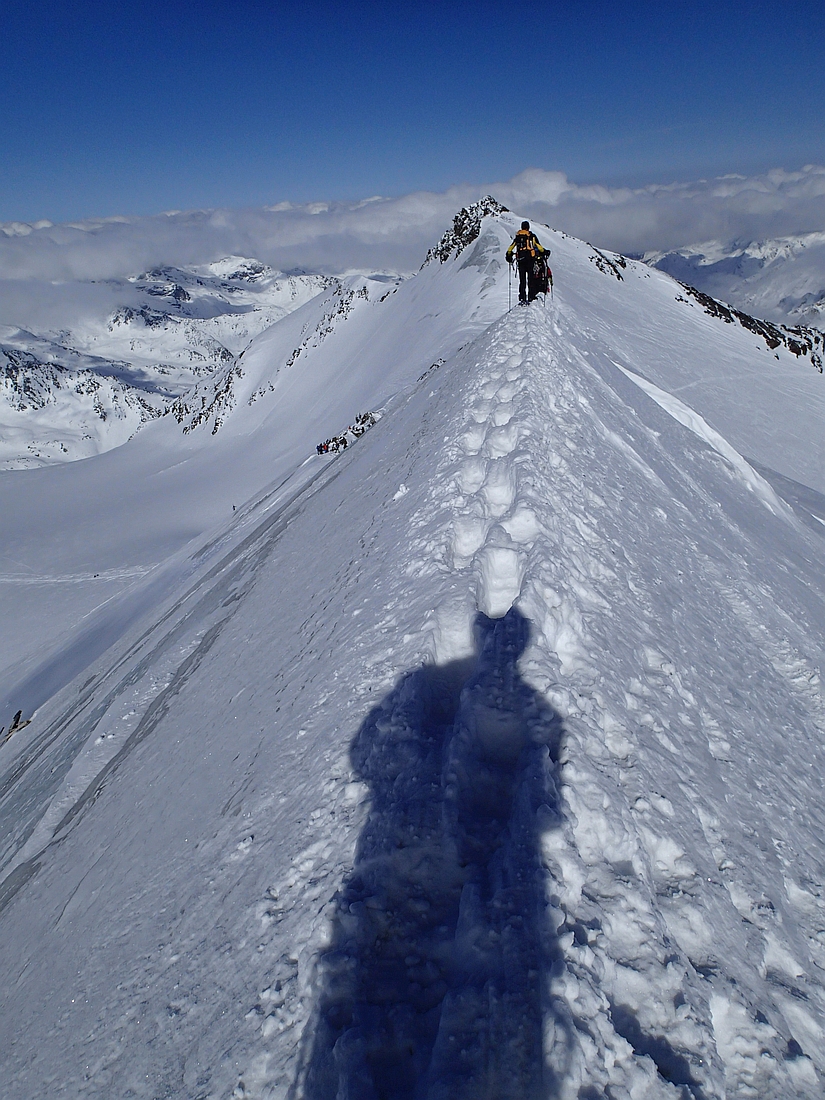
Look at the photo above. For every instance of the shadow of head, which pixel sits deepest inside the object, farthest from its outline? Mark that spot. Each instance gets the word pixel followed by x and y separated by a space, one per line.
pixel 503 639
pixel 476 708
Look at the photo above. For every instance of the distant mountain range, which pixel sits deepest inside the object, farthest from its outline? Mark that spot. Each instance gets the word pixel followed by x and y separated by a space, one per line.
pixel 781 280
pixel 71 392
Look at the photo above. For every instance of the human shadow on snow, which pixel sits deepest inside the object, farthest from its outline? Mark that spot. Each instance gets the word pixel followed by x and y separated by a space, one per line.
pixel 436 980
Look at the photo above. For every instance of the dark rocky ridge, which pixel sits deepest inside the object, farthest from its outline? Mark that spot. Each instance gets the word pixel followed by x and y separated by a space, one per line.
pixel 802 341
pixel 464 230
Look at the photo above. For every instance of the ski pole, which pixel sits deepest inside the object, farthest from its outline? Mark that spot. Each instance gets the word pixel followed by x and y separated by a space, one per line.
pixel 509 287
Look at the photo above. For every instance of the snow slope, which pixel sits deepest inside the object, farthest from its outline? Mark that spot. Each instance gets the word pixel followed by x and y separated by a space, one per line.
pixel 123 513
pixel 481 760
pixel 782 280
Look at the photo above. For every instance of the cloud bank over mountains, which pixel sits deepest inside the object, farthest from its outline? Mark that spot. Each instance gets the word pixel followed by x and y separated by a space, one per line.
pixel 394 234
pixel 665 216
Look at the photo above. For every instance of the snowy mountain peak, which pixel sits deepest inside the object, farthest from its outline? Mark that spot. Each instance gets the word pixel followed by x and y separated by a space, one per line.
pixel 235 268
pixel 465 228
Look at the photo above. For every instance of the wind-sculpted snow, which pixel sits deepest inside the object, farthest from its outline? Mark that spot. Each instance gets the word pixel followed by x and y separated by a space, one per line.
pixel 482 759
pixel 302 380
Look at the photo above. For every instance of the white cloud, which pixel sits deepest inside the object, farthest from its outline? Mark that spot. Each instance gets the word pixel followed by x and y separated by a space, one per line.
pixel 661 216
pixel 394 234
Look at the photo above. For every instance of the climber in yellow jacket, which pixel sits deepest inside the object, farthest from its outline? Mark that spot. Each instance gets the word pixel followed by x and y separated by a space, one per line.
pixel 524 249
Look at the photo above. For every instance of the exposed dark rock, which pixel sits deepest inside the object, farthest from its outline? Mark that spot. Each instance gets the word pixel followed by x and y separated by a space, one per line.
pixel 465 228
pixel 151 318
pixel 608 265
pixel 804 342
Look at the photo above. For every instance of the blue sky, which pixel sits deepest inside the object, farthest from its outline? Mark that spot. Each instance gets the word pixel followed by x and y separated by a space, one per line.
pixel 132 108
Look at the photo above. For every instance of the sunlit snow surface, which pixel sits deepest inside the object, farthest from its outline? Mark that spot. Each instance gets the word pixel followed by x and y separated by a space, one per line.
pixel 482 760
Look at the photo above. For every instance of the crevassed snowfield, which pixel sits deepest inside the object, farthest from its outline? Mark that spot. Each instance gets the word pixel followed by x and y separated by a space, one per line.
pixel 482 760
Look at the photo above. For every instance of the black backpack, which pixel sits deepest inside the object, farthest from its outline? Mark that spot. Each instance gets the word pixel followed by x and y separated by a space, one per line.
pixel 525 244
pixel 542 273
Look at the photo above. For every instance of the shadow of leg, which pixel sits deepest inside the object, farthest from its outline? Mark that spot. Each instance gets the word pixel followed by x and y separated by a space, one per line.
pixel 498 775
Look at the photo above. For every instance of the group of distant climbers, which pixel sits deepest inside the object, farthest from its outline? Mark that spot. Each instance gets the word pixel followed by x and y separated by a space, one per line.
pixel 534 274
pixel 363 422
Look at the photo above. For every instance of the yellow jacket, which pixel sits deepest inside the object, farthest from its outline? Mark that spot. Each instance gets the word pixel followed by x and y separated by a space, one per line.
pixel 525 243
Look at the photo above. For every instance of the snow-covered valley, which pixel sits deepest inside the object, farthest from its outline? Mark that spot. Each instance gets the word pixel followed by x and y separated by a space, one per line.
pixel 481 760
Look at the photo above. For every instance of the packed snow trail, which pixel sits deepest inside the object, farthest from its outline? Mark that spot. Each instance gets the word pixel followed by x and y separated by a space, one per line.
pixel 646 895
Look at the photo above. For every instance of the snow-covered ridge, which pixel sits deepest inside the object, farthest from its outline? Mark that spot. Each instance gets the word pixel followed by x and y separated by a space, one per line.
pixel 487 794
pixel 210 402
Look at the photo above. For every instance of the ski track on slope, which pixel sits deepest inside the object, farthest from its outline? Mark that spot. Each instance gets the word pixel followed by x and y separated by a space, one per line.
pixel 673 942
pixel 153 668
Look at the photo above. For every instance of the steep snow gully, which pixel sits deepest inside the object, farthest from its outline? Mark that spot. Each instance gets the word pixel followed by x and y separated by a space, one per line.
pixel 481 761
